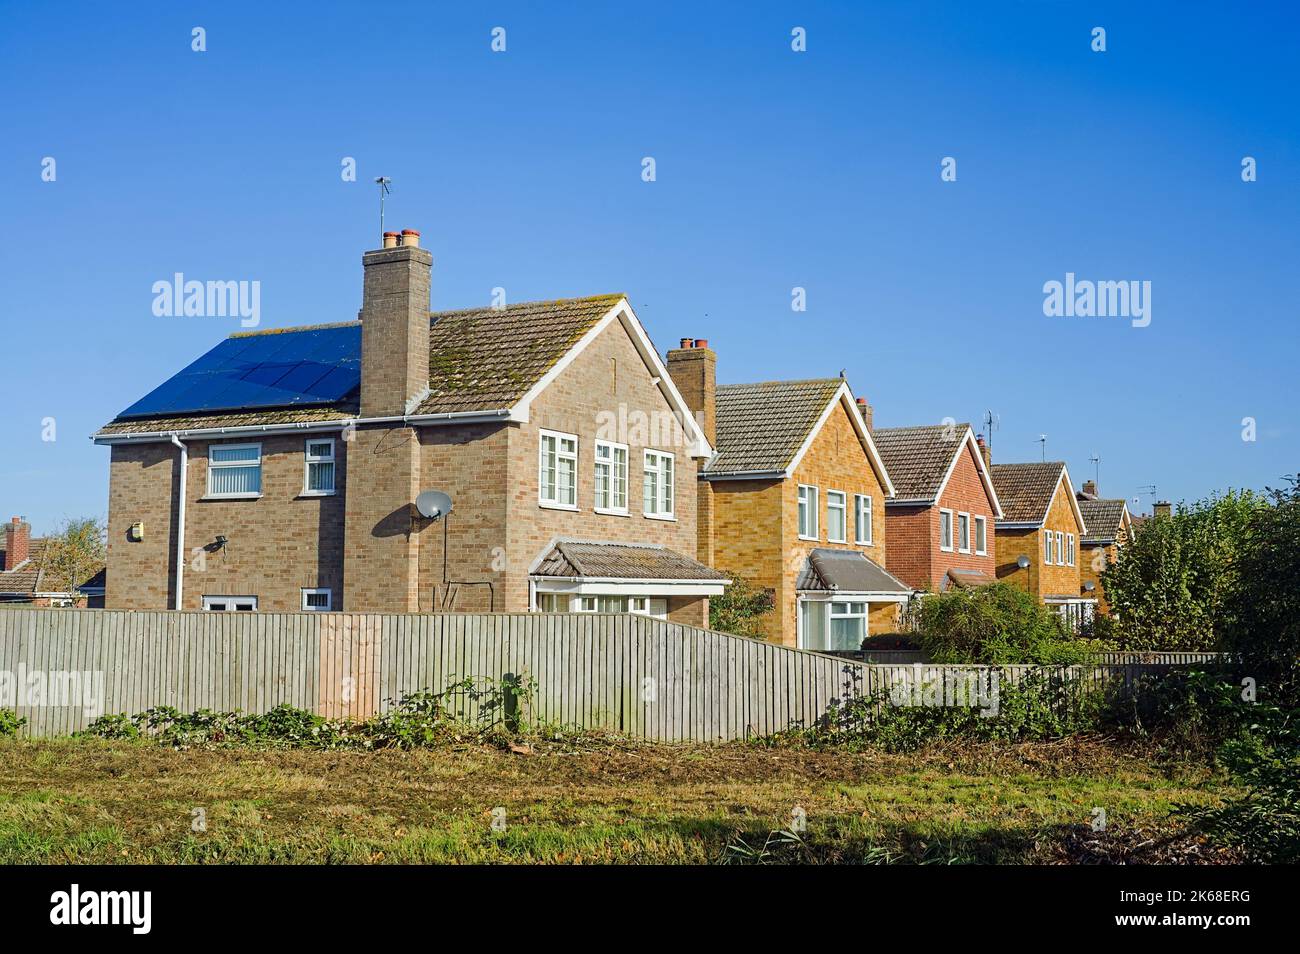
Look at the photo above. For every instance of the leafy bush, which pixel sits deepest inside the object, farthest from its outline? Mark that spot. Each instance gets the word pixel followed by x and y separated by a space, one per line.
pixel 10 723
pixel 1168 589
pixel 1262 625
pixel 741 608
pixel 1192 710
pixel 998 624
pixel 1044 705
pixel 417 720
pixel 1265 821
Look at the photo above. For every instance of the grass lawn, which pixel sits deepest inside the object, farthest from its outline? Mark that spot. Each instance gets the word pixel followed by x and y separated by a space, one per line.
pixel 90 801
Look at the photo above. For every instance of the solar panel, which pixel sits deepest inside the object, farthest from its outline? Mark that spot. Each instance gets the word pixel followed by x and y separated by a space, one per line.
pixel 284 369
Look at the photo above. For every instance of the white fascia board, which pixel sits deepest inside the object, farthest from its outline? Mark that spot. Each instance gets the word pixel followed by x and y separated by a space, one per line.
pixel 1074 502
pixel 968 440
pixel 845 394
pixel 610 587
pixel 623 312
pixel 842 596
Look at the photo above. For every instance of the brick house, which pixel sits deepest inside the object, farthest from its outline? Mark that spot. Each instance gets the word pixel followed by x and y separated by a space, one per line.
pixel 942 519
pixel 281 470
pixel 793 501
pixel 1038 537
pixel 27 576
pixel 1109 528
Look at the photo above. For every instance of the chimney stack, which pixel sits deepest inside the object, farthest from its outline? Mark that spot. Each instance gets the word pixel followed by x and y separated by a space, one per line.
pixel 694 369
pixel 395 324
pixel 18 542
pixel 984 451
pixel 1163 508
pixel 866 411
pixel 1090 488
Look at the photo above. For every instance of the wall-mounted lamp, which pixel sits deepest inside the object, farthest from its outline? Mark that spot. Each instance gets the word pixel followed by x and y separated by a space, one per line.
pixel 1022 561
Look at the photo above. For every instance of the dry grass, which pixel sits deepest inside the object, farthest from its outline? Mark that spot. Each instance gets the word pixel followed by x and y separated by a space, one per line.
pixel 89 801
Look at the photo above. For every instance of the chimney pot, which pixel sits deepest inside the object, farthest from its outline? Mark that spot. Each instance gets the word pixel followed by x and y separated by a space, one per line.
pixel 410 238
pixel 688 343
pixel 391 239
pixel 701 342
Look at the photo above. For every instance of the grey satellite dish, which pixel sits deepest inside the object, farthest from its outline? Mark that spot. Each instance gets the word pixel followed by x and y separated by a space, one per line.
pixel 433 504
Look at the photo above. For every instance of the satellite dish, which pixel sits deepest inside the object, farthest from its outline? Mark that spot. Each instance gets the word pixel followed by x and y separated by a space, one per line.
pixel 433 504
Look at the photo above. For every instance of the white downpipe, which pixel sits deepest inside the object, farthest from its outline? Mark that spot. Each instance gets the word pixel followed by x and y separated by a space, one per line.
pixel 180 522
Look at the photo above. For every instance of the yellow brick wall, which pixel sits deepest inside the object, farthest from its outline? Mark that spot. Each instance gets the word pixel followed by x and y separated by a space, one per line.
pixel 757 522
pixel 1038 579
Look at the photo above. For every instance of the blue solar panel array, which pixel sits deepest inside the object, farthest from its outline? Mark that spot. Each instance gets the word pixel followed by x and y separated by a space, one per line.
pixel 286 369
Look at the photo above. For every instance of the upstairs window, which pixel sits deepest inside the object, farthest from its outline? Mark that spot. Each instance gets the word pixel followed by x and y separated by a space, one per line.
pixel 320 467
pixel 611 477
pixel 1069 548
pixel 1060 548
pixel 945 530
pixel 1047 548
pixel 658 485
pixel 862 519
pixel 234 470
pixel 837 516
pixel 808 528
pixel 963 532
pixel 557 479
pixel 981 536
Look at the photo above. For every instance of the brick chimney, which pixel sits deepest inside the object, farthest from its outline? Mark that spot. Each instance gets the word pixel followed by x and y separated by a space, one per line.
pixel 1090 487
pixel 984 451
pixel 866 411
pixel 694 369
pixel 18 542
pixel 395 325
pixel 1163 508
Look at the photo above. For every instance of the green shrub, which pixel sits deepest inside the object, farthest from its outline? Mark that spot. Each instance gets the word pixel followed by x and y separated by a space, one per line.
pixel 998 625
pixel 10 723
pixel 418 719
pixel 741 608
pixel 1265 821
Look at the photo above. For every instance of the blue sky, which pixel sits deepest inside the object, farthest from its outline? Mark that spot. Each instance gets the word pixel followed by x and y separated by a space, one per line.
pixel 774 169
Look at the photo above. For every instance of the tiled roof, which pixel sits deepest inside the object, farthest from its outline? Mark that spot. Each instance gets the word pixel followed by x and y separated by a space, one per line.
pixel 1102 518
pixel 194 422
pixel 480 359
pixel 1025 490
pixel 847 571
pixel 27 576
pixel 31 577
pixel 760 427
pixel 967 579
pixel 918 458
pixel 581 558
pixel 485 359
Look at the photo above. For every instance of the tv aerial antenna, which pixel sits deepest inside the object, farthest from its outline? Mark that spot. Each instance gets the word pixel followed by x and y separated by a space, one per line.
pixel 383 182
pixel 992 422
pixel 1096 469
pixel 1042 440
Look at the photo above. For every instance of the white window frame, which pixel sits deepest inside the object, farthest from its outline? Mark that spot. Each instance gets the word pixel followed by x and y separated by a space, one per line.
pixel 209 600
pixel 666 478
pixel 611 463
pixel 1069 548
pixel 981 533
pixel 309 459
pixel 944 511
pixel 843 508
pixel 555 503
pixel 318 591
pixel 963 532
pixel 832 616
pixel 809 505
pixel 1047 548
pixel 1060 548
pixel 862 505
pixel 223 465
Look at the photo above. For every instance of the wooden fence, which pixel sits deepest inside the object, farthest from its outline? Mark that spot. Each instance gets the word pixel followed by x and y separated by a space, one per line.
pixel 629 674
